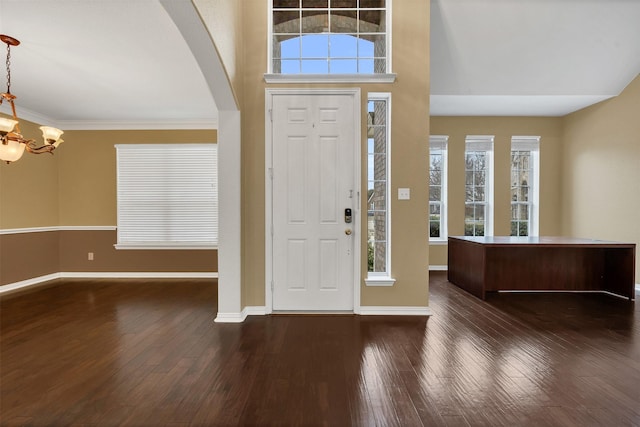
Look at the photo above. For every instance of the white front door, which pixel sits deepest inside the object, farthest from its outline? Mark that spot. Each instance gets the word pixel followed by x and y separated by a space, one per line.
pixel 313 184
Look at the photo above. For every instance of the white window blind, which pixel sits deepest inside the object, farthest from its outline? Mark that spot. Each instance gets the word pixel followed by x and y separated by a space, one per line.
pixel 167 196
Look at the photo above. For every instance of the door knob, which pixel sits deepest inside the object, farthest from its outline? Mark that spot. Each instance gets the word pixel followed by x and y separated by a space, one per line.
pixel 347 232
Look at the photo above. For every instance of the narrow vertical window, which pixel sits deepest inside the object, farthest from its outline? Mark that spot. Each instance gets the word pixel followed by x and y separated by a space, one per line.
pixel 378 212
pixel 478 215
pixel 438 188
pixel 525 166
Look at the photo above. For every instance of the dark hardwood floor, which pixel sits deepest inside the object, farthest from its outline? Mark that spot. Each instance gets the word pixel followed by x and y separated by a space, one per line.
pixel 142 353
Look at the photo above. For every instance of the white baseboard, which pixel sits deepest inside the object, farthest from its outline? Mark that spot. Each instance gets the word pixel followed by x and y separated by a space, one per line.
pixel 240 317
pixel 28 283
pixel 394 311
pixel 105 275
pixel 438 267
pixel 141 275
pixel 230 317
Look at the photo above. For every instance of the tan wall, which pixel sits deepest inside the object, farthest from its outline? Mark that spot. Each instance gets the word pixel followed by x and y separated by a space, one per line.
pixel 410 130
pixel 29 187
pixel 77 187
pixel 601 165
pixel 550 131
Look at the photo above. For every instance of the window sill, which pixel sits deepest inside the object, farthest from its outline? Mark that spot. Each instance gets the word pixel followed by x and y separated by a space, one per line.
pixel 330 78
pixel 163 247
pixel 379 281
pixel 439 242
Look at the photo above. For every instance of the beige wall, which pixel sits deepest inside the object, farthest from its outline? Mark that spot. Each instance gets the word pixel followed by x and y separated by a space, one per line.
pixel 601 170
pixel 29 187
pixel 77 187
pixel 457 128
pixel 410 130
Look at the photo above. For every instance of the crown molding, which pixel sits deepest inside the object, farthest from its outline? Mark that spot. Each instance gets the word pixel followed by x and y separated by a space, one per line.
pixel 157 124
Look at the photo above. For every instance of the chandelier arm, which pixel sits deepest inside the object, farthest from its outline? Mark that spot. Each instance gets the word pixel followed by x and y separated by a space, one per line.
pixel 31 148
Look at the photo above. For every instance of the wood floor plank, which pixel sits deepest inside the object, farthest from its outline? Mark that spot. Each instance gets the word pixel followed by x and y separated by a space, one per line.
pixel 147 353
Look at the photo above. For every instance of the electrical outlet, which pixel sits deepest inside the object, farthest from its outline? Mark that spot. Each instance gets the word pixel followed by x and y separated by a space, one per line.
pixel 90 256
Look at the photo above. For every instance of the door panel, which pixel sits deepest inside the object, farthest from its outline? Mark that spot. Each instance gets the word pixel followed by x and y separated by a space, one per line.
pixel 314 145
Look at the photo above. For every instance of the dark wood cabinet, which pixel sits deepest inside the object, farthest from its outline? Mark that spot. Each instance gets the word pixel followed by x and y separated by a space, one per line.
pixel 498 263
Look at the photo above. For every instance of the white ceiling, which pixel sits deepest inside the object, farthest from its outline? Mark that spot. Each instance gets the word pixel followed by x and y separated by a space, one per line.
pixel 531 57
pixel 100 64
pixel 92 64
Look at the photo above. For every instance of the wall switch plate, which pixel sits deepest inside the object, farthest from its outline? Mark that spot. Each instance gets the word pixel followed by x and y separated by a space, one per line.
pixel 90 256
pixel 404 193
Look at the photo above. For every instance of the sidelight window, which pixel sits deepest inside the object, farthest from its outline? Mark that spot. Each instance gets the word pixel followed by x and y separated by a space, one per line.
pixel 378 201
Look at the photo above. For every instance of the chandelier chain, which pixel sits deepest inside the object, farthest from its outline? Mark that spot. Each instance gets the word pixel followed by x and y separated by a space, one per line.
pixel 8 68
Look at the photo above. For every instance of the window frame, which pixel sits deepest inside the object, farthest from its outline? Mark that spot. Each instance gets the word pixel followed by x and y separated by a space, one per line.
pixel 440 142
pixel 130 160
pixel 532 145
pixel 387 77
pixel 382 278
pixel 482 143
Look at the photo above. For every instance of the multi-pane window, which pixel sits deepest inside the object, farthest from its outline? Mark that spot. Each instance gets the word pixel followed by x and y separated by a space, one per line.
pixel 438 187
pixel 525 166
pixel 478 215
pixel 329 36
pixel 378 254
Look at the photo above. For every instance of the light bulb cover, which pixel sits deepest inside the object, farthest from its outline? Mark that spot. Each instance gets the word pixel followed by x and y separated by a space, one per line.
pixel 51 135
pixel 11 151
pixel 7 125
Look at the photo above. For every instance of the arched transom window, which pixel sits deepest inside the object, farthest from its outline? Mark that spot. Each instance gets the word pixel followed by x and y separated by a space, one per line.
pixel 329 37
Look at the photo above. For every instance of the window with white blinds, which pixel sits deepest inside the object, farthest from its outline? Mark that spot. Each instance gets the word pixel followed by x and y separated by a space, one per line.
pixel 167 196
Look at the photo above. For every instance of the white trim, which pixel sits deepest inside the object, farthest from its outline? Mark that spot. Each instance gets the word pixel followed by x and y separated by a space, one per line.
pixel 637 287
pixel 203 123
pixel 58 228
pixel 87 228
pixel 395 311
pixel 200 124
pixel 330 78
pixel 438 267
pixel 230 317
pixel 379 281
pixel 28 283
pixel 254 310
pixel 439 242
pixel 154 247
pixel 140 275
pixel 105 275
pixel 383 277
pixel 269 94
pixel 28 230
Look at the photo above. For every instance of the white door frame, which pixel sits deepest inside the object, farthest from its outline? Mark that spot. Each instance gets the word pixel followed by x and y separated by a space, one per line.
pixel 269 95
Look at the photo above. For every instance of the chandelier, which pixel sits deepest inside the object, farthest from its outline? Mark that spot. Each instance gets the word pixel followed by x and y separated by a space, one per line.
pixel 13 143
